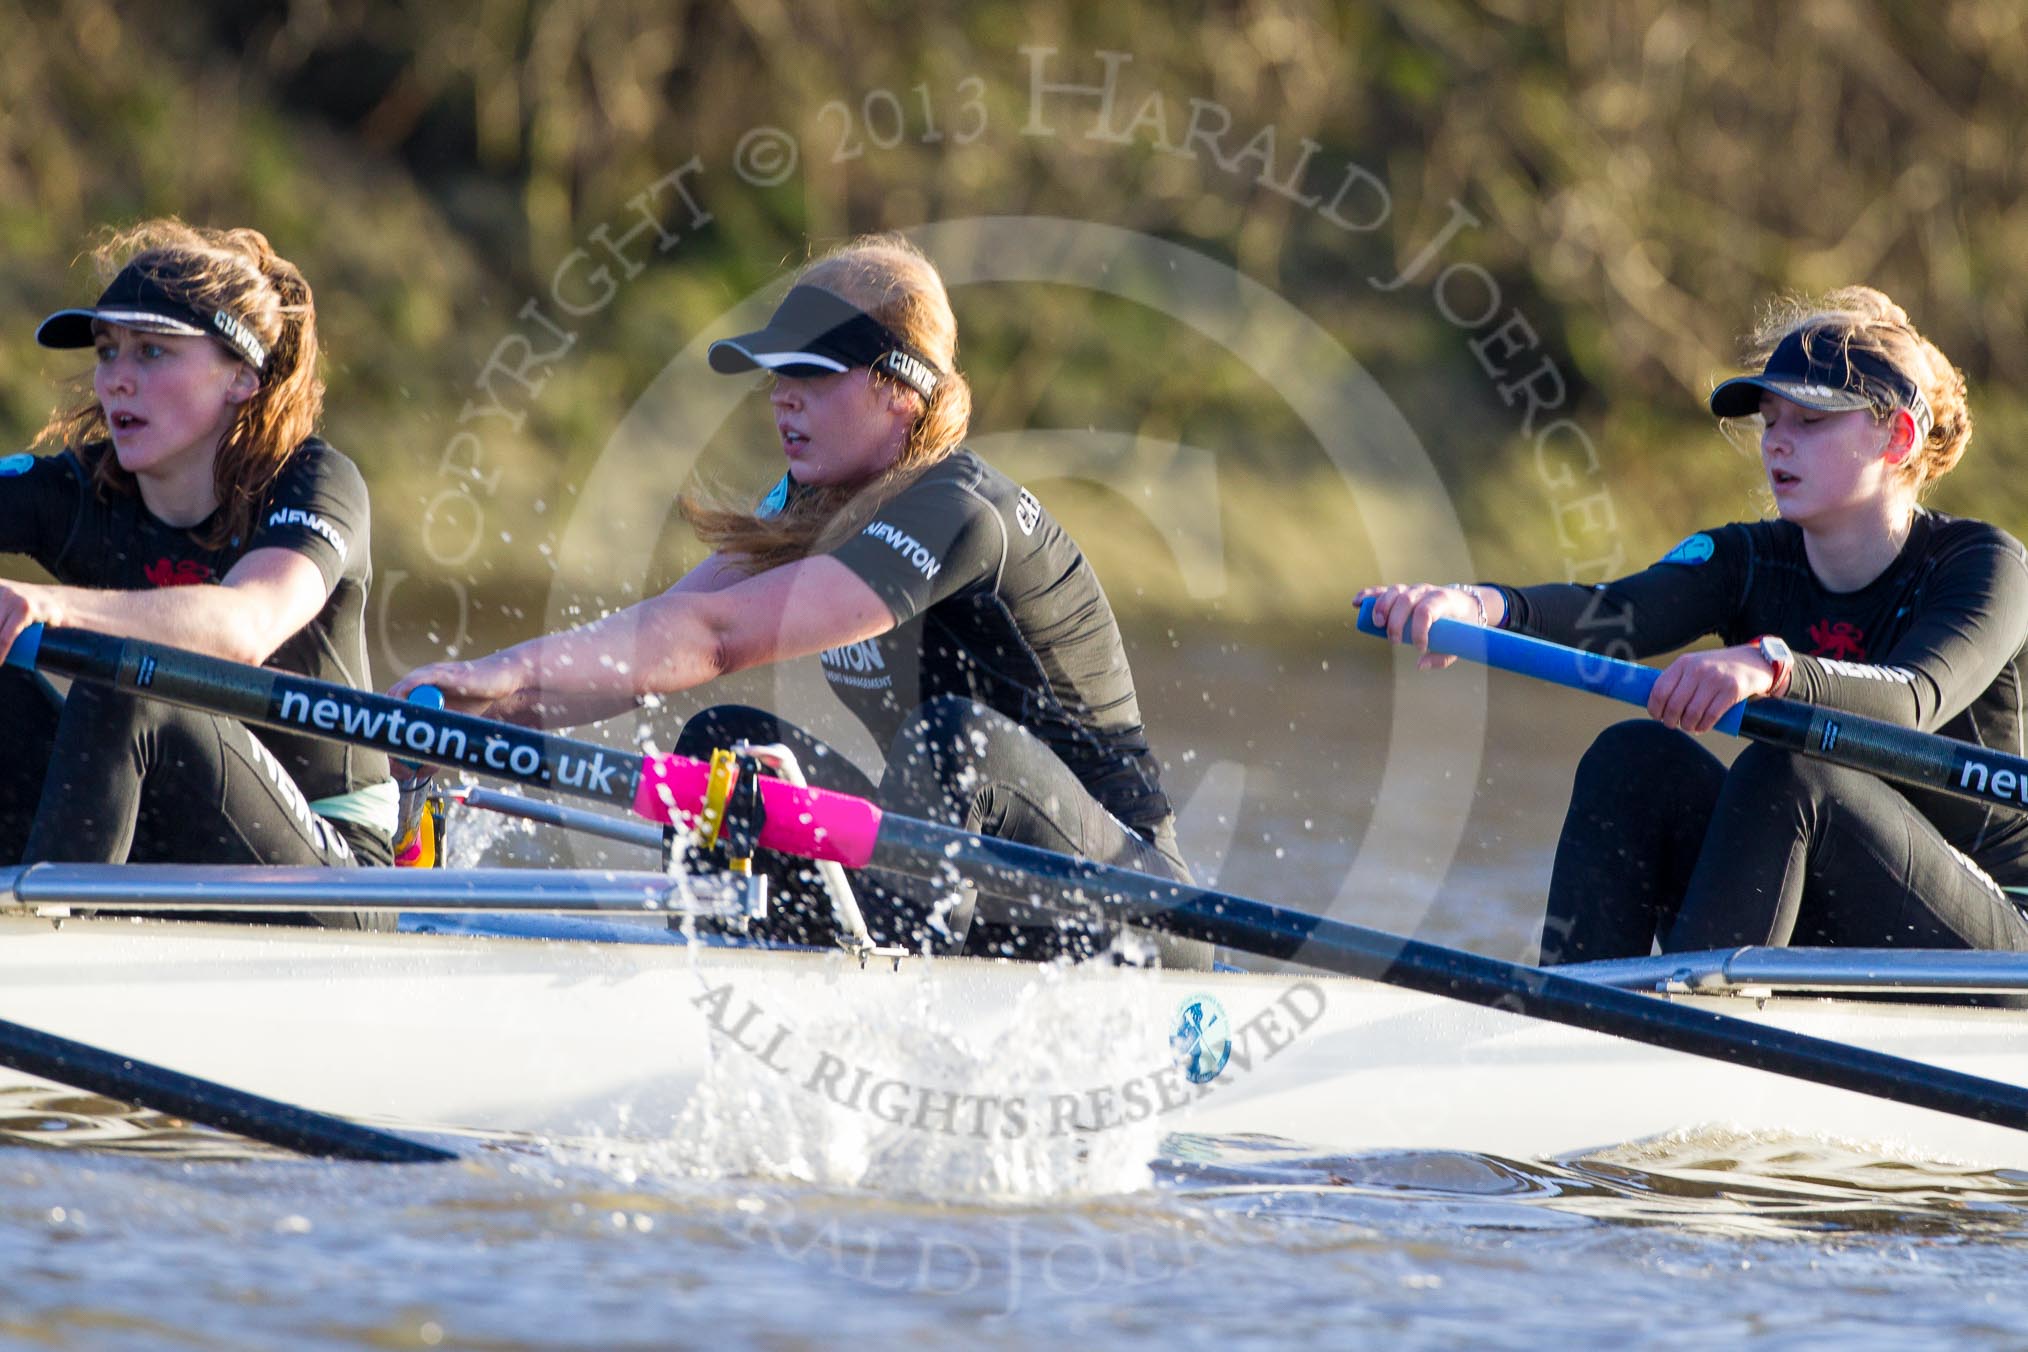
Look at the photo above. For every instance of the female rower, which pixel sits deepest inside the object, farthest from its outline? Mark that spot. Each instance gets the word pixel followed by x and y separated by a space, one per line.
pixel 189 504
pixel 1855 598
pixel 953 616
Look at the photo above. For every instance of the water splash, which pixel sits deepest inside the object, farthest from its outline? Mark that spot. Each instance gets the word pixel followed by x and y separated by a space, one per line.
pixel 931 1086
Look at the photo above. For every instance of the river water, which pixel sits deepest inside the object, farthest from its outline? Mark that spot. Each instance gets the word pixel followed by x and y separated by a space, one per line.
pixel 126 1231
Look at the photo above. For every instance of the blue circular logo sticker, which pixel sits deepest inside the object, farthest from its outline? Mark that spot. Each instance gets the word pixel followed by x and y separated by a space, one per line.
pixel 1203 1038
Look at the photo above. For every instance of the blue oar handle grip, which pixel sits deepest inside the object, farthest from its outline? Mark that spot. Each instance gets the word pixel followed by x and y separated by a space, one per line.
pixel 26 645
pixel 1613 677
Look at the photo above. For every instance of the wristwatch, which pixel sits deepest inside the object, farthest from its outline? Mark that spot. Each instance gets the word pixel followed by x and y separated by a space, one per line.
pixel 1777 655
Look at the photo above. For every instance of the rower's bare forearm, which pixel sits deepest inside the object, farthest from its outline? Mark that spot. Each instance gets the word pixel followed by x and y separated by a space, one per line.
pixel 677 641
pixel 605 668
pixel 206 619
pixel 553 710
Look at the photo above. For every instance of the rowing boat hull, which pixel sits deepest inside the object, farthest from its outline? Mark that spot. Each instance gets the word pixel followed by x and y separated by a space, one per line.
pixel 811 1064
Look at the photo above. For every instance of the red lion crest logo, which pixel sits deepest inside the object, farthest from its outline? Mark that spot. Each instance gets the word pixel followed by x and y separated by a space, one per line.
pixel 176 573
pixel 1840 640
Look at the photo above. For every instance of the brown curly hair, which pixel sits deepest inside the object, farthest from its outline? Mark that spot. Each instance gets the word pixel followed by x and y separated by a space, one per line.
pixel 238 272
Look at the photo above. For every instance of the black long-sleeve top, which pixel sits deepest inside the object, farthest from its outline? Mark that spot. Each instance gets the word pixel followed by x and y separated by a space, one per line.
pixel 1935 642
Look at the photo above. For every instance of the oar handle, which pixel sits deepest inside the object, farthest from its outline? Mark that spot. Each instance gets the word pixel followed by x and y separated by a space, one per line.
pixel 1613 677
pixel 26 645
pixel 1924 759
pixel 1058 882
pixel 813 823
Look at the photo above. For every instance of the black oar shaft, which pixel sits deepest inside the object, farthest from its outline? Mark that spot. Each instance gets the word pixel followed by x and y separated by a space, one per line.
pixel 1086 888
pixel 926 849
pixel 1891 751
pixel 1924 759
pixel 273 699
pixel 82 1066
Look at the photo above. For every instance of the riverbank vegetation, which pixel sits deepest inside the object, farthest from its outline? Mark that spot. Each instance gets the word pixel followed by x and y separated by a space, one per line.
pixel 1507 242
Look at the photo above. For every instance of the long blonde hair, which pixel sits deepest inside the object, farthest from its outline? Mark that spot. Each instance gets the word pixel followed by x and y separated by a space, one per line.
pixel 238 272
pixel 890 279
pixel 1864 320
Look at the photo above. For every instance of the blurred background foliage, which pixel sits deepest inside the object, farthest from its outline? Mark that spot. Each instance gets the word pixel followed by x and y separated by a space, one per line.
pixel 1640 177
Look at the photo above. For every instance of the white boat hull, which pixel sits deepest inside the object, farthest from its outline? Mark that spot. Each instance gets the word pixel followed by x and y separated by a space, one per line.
pixel 806 1062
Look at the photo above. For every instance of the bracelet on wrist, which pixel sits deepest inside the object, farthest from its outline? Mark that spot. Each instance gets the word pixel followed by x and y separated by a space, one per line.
pixel 1478 600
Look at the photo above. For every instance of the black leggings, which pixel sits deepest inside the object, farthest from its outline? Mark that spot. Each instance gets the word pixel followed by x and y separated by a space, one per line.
pixel 131 779
pixel 963 764
pixel 1664 842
